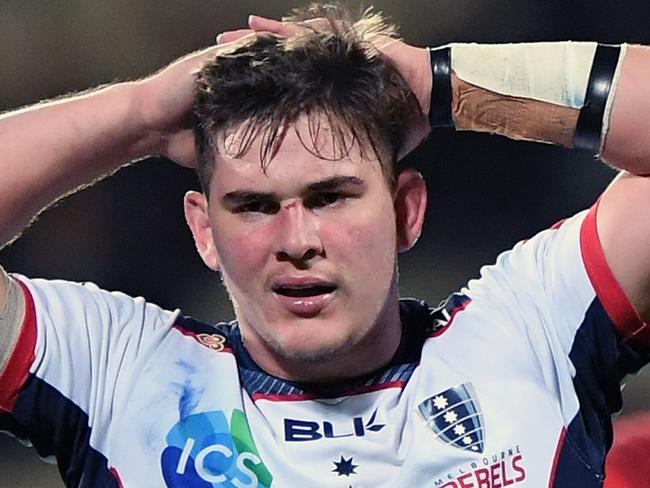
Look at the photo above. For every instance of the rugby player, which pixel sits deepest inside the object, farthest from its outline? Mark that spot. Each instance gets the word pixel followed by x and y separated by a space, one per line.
pixel 327 378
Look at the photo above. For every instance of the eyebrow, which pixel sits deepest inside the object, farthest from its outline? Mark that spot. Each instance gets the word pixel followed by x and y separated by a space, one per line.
pixel 238 197
pixel 335 182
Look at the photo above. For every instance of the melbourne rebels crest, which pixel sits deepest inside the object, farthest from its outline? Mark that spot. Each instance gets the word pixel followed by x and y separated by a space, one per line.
pixel 455 417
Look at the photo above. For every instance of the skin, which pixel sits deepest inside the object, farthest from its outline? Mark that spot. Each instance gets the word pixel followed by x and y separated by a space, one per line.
pixel 623 222
pixel 308 219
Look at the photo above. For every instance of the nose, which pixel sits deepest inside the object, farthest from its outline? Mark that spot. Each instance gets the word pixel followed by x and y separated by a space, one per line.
pixel 298 234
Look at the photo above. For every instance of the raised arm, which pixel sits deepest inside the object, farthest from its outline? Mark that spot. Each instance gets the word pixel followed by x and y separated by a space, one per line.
pixel 50 149
pixel 53 148
pixel 624 212
pixel 622 221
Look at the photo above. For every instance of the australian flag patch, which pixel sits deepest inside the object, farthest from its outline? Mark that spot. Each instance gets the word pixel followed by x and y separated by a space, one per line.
pixel 455 416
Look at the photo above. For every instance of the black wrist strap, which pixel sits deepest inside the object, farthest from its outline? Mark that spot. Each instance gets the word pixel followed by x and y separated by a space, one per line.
pixel 590 121
pixel 440 111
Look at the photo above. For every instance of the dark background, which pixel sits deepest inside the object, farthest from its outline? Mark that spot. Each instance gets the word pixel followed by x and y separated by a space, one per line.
pixel 128 232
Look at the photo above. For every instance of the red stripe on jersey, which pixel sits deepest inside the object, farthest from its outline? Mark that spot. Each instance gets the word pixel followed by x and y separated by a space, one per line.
pixel 116 475
pixel 556 459
pixel 296 397
pixel 17 368
pixel 618 306
pixel 454 312
pixel 558 224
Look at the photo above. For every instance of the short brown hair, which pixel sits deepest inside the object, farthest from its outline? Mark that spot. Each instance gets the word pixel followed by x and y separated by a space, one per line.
pixel 334 74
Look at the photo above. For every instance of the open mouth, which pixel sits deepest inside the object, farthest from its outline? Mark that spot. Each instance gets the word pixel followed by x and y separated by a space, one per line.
pixel 304 291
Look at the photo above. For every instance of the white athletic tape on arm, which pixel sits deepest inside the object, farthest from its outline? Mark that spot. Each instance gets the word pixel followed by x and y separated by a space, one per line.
pixel 554 72
pixel 612 96
pixel 11 318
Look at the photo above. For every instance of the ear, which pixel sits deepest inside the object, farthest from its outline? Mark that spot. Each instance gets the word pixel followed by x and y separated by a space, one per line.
pixel 196 216
pixel 410 207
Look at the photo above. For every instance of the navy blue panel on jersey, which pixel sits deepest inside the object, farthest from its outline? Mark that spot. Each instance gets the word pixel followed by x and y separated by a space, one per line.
pixel 572 469
pixel 601 359
pixel 58 427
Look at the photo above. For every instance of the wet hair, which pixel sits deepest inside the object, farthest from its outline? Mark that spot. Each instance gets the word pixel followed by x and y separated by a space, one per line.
pixel 332 74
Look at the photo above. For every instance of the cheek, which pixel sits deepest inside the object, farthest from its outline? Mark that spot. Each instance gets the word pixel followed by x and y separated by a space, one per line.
pixel 363 243
pixel 242 253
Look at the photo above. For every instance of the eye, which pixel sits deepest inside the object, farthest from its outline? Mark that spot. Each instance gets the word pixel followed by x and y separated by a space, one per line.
pixel 325 199
pixel 258 206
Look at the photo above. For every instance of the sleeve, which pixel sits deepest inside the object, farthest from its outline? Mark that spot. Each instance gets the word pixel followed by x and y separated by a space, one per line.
pixel 78 351
pixel 557 298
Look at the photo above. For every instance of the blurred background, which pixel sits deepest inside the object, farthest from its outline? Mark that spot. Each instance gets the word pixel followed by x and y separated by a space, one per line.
pixel 128 232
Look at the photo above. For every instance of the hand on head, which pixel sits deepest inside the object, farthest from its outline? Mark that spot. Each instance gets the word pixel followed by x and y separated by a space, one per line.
pixel 166 99
pixel 412 62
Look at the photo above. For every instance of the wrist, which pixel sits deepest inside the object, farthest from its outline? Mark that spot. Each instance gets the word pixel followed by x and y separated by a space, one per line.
pixel 422 78
pixel 147 120
pixel 440 108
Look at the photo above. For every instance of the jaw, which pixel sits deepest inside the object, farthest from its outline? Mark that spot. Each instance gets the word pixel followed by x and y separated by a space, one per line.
pixel 329 346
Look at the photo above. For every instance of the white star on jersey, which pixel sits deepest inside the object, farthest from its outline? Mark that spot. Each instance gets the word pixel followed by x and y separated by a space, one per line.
pixel 440 402
pixel 451 417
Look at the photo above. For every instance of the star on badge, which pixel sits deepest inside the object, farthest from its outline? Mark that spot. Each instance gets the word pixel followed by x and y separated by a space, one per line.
pixel 345 467
pixel 440 402
pixel 450 417
pixel 467 440
pixel 459 429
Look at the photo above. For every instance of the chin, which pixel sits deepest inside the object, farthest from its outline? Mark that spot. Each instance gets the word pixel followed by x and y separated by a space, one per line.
pixel 310 356
pixel 313 346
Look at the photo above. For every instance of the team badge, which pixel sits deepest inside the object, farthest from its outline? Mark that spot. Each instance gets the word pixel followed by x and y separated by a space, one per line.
pixel 215 342
pixel 455 417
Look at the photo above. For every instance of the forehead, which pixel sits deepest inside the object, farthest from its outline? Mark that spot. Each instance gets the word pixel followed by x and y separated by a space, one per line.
pixel 298 159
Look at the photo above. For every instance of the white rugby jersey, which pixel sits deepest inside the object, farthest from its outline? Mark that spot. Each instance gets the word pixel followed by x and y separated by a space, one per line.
pixel 509 383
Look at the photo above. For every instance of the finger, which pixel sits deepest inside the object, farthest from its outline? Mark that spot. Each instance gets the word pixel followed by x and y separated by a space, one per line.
pixel 233 35
pixel 265 24
pixel 241 38
pixel 319 24
pixel 286 29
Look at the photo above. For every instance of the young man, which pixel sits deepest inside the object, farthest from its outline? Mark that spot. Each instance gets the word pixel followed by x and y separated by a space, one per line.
pixel 327 379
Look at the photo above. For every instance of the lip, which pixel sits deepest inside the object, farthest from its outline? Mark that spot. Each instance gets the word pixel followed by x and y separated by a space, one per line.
pixel 304 306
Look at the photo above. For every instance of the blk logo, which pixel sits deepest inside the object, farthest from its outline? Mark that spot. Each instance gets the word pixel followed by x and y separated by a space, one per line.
pixel 308 430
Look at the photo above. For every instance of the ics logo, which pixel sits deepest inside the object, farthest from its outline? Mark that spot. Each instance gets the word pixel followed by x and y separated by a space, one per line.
pixel 204 450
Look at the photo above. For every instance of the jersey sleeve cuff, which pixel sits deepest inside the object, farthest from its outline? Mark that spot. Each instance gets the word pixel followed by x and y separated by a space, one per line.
pixel 16 370
pixel 625 317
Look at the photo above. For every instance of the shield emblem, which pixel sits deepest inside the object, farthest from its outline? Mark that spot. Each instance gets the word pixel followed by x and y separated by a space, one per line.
pixel 455 417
